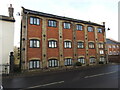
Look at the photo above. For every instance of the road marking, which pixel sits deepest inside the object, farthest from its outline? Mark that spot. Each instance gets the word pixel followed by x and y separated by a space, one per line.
pixel 99 74
pixel 44 85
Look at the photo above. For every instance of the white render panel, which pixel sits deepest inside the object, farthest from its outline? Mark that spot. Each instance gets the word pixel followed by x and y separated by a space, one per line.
pixel 7 40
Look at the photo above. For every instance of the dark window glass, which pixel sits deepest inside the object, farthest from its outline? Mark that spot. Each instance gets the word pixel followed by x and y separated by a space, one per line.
pixel 91 45
pixel 52 23
pixel 80 45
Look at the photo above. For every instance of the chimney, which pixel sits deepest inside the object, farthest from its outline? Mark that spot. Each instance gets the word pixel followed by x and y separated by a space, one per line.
pixel 11 11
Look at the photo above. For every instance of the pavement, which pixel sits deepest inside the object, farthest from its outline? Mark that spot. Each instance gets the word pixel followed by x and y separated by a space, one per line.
pixel 51 71
pixel 98 76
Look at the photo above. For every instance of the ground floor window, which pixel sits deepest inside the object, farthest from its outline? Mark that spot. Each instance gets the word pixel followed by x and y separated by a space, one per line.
pixel 102 59
pixel 68 62
pixel 34 64
pixel 53 63
pixel 82 60
pixel 92 60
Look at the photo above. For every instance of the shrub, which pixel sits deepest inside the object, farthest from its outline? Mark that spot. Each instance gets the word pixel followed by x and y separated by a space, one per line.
pixel 78 64
pixel 101 62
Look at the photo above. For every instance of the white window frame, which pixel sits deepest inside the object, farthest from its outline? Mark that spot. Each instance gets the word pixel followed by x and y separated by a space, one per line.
pixel 80 44
pixel 67 44
pixel 79 27
pixel 66 25
pixel 34 43
pixel 52 44
pixel 82 60
pixel 34 64
pixel 53 63
pixel 90 29
pixel 68 62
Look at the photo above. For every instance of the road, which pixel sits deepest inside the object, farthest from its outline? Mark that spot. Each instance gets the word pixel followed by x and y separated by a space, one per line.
pixel 105 76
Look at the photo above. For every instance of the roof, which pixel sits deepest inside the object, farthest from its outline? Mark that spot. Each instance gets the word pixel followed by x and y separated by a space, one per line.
pixel 6 18
pixel 111 41
pixel 58 17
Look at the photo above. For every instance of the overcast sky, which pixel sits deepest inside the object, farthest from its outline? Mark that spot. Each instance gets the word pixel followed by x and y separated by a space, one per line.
pixel 97 11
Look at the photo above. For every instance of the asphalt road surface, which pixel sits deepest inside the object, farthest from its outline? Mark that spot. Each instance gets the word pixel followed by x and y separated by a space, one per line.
pixel 106 76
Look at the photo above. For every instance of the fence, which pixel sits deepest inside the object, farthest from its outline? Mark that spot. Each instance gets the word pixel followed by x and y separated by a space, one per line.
pixel 4 69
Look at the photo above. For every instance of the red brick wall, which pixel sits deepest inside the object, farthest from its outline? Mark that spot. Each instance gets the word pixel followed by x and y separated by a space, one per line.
pixel 52 32
pixel 34 31
pixel 68 34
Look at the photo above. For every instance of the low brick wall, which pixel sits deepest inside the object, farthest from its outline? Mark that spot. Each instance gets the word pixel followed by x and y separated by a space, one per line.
pixel 114 58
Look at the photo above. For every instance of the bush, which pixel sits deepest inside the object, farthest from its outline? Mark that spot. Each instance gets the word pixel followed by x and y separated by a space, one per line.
pixel 78 64
pixel 101 62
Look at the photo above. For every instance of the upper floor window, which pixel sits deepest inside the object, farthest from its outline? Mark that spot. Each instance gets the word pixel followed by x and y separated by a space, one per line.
pixel 110 52
pixel 100 45
pixel 80 45
pixel 34 20
pixel 52 23
pixel 113 46
pixel 90 29
pixel 52 44
pixel 34 64
pixel 91 45
pixel 66 25
pixel 117 46
pixel 79 27
pixel 100 30
pixel 53 63
pixel 109 46
pixel 68 62
pixel 101 51
pixel 82 60
pixel 34 43
pixel 92 60
pixel 68 44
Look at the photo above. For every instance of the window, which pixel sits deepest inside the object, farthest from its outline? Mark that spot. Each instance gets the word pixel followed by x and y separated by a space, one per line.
pixel 102 59
pixel 113 46
pixel 109 46
pixel 53 63
pixel 80 45
pixel 52 23
pixel 99 30
pixel 92 60
pixel 68 62
pixel 34 20
pixel 110 52
pixel 100 45
pixel 34 43
pixel 67 25
pixel 52 44
pixel 68 44
pixel 91 45
pixel 34 64
pixel 79 27
pixel 90 29
pixel 82 60
pixel 101 52
pixel 117 46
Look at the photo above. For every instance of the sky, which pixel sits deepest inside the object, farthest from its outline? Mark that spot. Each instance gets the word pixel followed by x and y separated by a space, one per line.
pixel 97 11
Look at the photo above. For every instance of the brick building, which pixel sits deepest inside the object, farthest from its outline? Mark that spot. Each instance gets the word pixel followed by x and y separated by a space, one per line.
pixel 49 40
pixel 113 48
